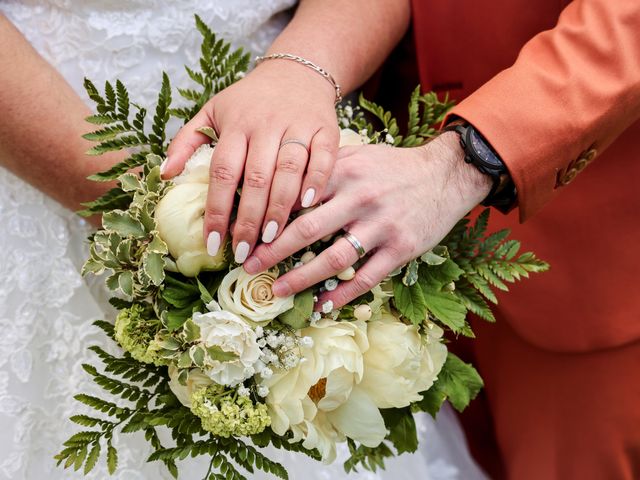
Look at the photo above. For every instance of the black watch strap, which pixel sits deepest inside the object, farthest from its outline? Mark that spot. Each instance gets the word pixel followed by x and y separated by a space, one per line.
pixel 479 153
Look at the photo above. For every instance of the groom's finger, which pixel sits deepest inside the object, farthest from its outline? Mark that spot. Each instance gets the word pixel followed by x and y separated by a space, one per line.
pixel 185 143
pixel 335 259
pixel 368 276
pixel 304 230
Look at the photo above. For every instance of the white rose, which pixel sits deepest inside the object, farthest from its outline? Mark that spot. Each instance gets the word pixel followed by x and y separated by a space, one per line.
pixel 400 363
pixel 320 400
pixel 251 297
pixel 349 137
pixel 195 380
pixel 180 220
pixel 231 334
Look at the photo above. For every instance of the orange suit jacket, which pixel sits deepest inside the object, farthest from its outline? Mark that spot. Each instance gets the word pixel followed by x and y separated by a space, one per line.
pixel 552 84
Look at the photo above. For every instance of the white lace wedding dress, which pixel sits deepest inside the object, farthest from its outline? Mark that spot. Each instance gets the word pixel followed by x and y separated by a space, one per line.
pixel 46 308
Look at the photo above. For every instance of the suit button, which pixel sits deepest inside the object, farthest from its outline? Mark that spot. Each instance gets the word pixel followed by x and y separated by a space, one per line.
pixel 569 176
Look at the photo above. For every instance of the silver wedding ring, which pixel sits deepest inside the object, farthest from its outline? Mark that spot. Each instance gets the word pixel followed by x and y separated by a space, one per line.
pixel 355 243
pixel 297 142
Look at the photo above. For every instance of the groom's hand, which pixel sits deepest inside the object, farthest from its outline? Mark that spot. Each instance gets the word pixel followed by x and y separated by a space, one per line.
pixel 398 203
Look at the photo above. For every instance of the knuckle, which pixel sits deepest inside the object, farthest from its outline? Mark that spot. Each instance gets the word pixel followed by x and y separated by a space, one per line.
pixel 278 204
pixel 307 227
pixel 366 197
pixel 246 225
pixel 213 217
pixel 256 179
pixel 362 282
pixel 337 259
pixel 288 164
pixel 223 174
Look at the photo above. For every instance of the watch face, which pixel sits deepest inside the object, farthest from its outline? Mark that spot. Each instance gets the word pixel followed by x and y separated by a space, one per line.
pixel 482 150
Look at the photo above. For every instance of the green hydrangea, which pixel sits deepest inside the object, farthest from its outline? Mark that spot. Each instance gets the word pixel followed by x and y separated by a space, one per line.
pixel 135 330
pixel 227 414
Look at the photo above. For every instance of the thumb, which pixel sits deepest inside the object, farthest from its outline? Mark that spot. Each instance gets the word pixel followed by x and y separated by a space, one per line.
pixel 185 143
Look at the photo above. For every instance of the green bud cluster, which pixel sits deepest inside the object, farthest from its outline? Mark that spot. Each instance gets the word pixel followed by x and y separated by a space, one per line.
pixel 227 414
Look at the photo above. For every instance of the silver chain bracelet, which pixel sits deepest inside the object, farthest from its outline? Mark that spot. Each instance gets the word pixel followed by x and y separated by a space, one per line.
pixel 306 63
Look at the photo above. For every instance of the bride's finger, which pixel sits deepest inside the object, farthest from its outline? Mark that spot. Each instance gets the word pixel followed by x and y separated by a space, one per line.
pixel 304 230
pixel 186 141
pixel 335 259
pixel 290 165
pixel 324 148
pixel 368 276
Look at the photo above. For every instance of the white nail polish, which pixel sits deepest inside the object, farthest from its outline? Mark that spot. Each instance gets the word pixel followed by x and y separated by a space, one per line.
pixel 242 252
pixel 213 243
pixel 163 165
pixel 308 197
pixel 270 231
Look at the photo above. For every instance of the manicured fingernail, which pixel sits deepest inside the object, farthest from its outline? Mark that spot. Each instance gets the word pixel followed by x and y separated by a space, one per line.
pixel 308 197
pixel 281 289
pixel 270 231
pixel 163 165
pixel 252 265
pixel 242 252
pixel 213 243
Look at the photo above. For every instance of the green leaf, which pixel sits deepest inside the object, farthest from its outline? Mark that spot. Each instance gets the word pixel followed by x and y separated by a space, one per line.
pixel 123 224
pixel 430 258
pixel 205 296
pixel 130 182
pixel 112 459
pixel 191 331
pixel 298 316
pixel 410 301
pixel 459 381
pixel 432 400
pixel 217 353
pixel 92 458
pixel 402 429
pixel 153 265
pixel 209 132
pixel 447 308
pixel 411 273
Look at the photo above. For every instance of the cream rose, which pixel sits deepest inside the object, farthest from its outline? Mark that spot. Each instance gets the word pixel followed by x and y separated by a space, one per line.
pixel 229 333
pixel 320 400
pixel 400 363
pixel 251 297
pixel 350 137
pixel 180 217
pixel 195 380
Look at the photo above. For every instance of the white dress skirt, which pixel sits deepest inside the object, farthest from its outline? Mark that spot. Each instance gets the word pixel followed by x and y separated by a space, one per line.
pixel 47 308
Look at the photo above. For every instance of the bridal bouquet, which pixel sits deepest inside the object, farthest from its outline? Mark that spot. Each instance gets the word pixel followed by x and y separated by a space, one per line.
pixel 212 356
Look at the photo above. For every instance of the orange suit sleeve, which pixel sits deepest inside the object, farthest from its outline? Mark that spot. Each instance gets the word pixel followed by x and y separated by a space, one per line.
pixel 572 90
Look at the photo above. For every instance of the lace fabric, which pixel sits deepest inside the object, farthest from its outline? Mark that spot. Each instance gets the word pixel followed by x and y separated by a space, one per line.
pixel 47 308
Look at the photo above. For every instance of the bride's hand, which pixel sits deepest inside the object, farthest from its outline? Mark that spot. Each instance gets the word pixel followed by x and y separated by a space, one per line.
pixel 277 102
pixel 398 203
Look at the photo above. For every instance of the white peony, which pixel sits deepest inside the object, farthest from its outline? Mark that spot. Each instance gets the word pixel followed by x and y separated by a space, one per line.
pixel 196 169
pixel 229 333
pixel 195 380
pixel 349 137
pixel 400 363
pixel 180 217
pixel 251 297
pixel 320 401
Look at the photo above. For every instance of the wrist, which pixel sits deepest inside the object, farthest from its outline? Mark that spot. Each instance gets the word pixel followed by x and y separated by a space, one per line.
pixel 279 71
pixel 471 186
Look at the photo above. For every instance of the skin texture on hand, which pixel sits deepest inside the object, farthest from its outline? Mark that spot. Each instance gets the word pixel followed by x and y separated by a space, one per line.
pixel 283 100
pixel 397 202
pixel 42 124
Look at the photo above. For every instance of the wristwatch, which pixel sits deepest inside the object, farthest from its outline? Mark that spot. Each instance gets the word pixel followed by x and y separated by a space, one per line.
pixel 479 153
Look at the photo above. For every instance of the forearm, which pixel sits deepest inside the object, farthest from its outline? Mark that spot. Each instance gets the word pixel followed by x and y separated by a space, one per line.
pixel 42 123
pixel 350 39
